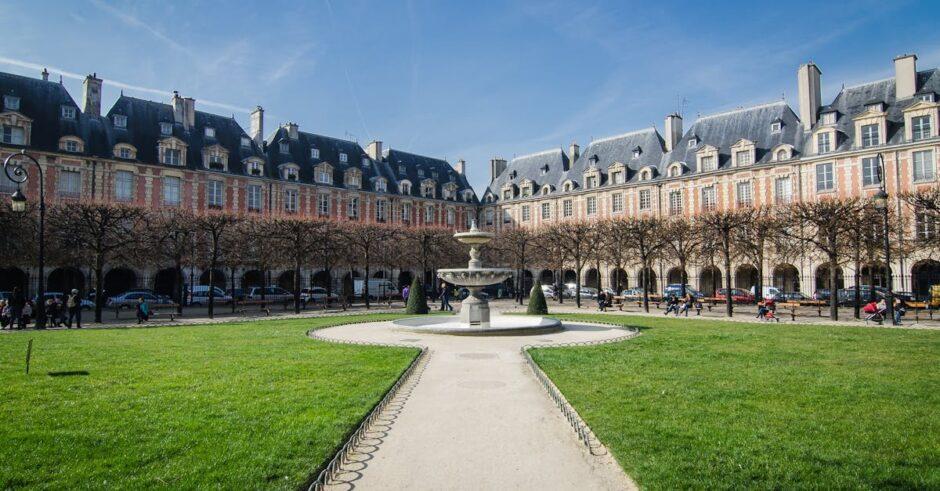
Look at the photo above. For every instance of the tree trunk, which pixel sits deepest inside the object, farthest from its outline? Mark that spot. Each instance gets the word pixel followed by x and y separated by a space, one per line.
pixel 365 285
pixel 178 284
pixel 577 285
pixel 858 292
pixel 99 291
pixel 646 282
pixel 729 303
pixel 833 287
pixel 212 288
pixel 297 287
pixel 682 277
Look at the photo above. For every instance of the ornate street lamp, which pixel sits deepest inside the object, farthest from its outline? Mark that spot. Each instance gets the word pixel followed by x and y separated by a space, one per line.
pixel 17 173
pixel 881 203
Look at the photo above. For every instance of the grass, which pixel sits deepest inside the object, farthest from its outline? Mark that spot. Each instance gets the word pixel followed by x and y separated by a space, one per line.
pixel 240 405
pixel 731 405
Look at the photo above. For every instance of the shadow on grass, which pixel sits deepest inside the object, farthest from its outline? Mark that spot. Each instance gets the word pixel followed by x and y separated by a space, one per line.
pixel 71 373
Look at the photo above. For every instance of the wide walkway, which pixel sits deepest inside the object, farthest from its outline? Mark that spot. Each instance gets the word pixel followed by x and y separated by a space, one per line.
pixel 477 418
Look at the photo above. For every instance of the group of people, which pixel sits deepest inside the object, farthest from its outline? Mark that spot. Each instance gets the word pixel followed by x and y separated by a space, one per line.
pixel 444 295
pixel 18 312
pixel 674 304
pixel 877 310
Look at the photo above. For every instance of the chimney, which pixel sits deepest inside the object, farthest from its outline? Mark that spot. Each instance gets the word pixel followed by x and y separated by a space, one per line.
pixel 45 75
pixel 461 167
pixel 257 125
pixel 91 95
pixel 574 151
pixel 184 110
pixel 673 130
pixel 291 130
pixel 905 76
pixel 807 82
pixel 374 150
pixel 497 166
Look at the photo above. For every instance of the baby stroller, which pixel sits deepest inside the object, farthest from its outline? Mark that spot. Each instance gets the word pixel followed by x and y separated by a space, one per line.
pixel 767 310
pixel 873 313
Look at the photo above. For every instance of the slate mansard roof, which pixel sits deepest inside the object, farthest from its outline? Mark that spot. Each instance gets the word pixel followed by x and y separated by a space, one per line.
pixel 42 100
pixel 547 167
pixel 620 149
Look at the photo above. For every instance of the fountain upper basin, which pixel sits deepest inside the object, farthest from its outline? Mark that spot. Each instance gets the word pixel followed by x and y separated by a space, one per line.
pixel 474 277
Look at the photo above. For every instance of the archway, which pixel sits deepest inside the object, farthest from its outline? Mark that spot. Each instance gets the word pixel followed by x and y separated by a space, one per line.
pixel 119 280
pixel 591 278
pixel 676 276
pixel 65 279
pixel 745 277
pixel 618 280
pixel 875 275
pixel 709 280
pixel 379 274
pixel 547 277
pixel 404 279
pixel 321 278
pixel 11 278
pixel 163 283
pixel 924 274
pixel 252 279
pixel 527 281
pixel 822 279
pixel 218 278
pixel 570 276
pixel 786 278
pixel 646 278
pixel 286 280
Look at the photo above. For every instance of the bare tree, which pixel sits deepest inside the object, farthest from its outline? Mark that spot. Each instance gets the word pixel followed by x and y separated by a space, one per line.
pixel 549 253
pixel 575 239
pixel 366 241
pixel 296 239
pixel 516 248
pixel 721 227
pixel 172 232
pixel 683 241
pixel 759 232
pixel 97 234
pixel 330 249
pixel 644 238
pixel 214 231
pixel 925 208
pixel 429 245
pixel 614 248
pixel 257 249
pixel 825 225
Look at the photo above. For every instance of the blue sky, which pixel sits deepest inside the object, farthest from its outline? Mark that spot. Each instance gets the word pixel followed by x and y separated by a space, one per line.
pixel 465 80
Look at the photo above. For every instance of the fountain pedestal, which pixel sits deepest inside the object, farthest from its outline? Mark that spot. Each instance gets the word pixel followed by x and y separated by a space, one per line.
pixel 475 310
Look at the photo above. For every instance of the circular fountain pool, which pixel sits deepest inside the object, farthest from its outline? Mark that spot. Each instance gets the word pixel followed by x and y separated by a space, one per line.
pixel 499 325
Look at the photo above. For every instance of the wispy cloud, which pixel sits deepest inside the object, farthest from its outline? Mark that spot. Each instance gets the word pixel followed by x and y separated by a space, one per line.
pixel 349 82
pixel 287 65
pixel 133 22
pixel 115 83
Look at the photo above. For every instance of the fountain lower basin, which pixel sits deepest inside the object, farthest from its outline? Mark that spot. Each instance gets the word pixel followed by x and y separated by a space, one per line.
pixel 474 277
pixel 499 325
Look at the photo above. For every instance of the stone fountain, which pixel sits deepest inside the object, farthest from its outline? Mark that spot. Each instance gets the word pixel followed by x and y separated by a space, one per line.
pixel 474 317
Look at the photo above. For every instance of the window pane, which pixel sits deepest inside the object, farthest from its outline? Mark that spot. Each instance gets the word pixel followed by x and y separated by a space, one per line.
pixel 171 190
pixel 871 173
pixel 924 165
pixel 123 185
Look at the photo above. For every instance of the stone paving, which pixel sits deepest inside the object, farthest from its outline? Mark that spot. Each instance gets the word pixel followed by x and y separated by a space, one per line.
pixel 477 419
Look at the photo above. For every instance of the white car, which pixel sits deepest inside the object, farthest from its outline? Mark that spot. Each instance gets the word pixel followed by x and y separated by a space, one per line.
pixel 317 294
pixel 271 294
pixel 199 295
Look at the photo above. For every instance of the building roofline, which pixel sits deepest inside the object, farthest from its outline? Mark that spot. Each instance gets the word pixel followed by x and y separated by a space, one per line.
pixel 743 109
pixel 651 129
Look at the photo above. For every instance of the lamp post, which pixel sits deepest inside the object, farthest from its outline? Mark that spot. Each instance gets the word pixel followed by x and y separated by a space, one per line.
pixel 881 203
pixel 17 173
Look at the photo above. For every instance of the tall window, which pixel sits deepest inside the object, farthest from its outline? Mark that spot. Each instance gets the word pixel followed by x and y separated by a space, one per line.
pixel 616 203
pixel 708 163
pixel 743 157
pixel 429 214
pixel 450 216
pixel 783 191
pixel 214 194
pixel 925 225
pixel 920 127
pixel 870 135
pixel 507 216
pixel 254 197
pixel 489 216
pixel 406 213
pixel 290 200
pixel 123 185
pixel 709 199
pixel 526 213
pixel 70 183
pixel 171 190
pixel 14 135
pixel 924 165
pixel 744 196
pixel 567 208
pixel 644 199
pixel 546 211
pixel 172 156
pixel 824 177
pixel 381 210
pixel 871 173
pixel 352 207
pixel 591 205
pixel 675 202
pixel 323 204
pixel 824 143
pixel 284 147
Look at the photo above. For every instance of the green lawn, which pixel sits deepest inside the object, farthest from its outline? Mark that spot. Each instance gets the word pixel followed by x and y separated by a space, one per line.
pixel 729 405
pixel 241 405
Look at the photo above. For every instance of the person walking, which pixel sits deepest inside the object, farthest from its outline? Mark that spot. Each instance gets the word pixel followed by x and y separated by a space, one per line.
pixel 74 306
pixel 17 303
pixel 4 313
pixel 602 301
pixel 445 297
pixel 404 293
pixel 143 310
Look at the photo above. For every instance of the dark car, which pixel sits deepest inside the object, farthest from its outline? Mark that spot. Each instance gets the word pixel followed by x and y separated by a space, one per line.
pixel 237 294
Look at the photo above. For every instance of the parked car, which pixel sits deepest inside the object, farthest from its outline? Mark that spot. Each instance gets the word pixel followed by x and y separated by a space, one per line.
pixel 86 304
pixel 271 294
pixel 675 289
pixel 378 288
pixel 866 294
pixel 794 296
pixel 130 299
pixel 822 294
pixel 199 295
pixel 768 292
pixel 237 294
pixel 738 295
pixel 586 292
pixel 317 294
pixel 632 292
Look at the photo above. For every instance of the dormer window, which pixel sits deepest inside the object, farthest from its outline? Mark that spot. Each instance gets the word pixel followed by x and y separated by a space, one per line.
pixel 120 121
pixel 255 168
pixel 707 163
pixel 512 174
pixel 568 186
pixel 70 144
pixel 214 160
pixel 343 158
pixel 11 103
pixel 870 135
pixel 782 154
pixel 776 126
pixel 507 194
pixel 284 147
pixel 590 182
pixel 68 112
pixel 636 152
pixel 829 118
pixel 546 189
pixel 402 169
pixel 545 169
pixel 172 156
pixel 365 161
pixel 675 170
pixel 420 172
pixel 246 142
pixel 427 189
pixel 291 173
pixel 874 107
pixel 380 185
pixel 646 175
pixel 693 142
pixel 166 129
pixel 314 153
pixel 404 187
pixel 920 128
pixel 353 178
pixel 125 153
pixel 324 174
pixel 210 132
pixel 616 177
pixel 928 97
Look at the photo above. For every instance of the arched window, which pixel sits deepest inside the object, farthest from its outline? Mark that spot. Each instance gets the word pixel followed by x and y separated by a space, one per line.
pixel 782 154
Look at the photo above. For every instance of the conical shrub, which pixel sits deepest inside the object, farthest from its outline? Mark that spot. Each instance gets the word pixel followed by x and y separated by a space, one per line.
pixel 537 305
pixel 417 300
